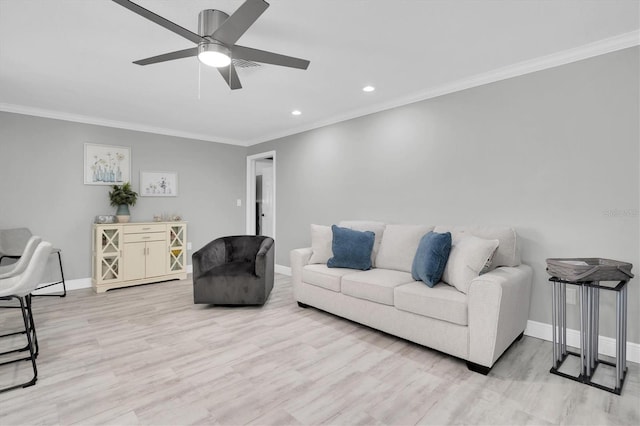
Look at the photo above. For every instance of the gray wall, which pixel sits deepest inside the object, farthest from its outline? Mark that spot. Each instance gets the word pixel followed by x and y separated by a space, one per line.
pixel 554 154
pixel 41 183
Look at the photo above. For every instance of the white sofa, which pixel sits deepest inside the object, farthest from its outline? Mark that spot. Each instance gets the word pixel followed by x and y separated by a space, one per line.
pixel 477 326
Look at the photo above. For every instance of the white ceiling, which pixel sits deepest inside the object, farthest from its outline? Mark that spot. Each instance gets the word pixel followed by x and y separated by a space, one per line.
pixel 71 59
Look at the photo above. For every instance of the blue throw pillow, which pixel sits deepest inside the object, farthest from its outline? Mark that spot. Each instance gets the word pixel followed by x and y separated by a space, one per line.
pixel 351 249
pixel 431 258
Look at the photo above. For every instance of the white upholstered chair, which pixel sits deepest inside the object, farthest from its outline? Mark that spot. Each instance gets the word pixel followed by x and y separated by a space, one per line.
pixel 19 287
pixel 13 243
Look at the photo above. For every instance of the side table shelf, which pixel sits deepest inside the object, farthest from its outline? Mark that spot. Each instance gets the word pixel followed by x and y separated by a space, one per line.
pixel 589 298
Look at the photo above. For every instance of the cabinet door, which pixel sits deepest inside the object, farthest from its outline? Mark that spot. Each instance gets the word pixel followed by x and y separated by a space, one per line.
pixel 177 247
pixel 133 261
pixel 156 260
pixel 107 245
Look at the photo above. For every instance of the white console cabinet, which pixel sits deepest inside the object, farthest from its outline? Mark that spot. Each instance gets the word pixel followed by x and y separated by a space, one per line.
pixel 126 254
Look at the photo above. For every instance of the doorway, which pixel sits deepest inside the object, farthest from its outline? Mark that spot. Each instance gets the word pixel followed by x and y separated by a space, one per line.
pixel 261 194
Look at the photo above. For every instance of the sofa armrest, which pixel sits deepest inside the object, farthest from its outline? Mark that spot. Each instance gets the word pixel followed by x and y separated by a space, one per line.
pixel 298 259
pixel 498 311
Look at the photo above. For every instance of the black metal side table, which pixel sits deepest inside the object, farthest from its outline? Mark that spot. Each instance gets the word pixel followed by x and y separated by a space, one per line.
pixel 589 295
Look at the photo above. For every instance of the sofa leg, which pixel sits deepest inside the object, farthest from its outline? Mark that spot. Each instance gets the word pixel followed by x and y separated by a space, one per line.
pixel 303 305
pixel 477 368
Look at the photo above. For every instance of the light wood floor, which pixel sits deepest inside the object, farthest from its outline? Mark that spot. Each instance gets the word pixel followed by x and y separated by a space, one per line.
pixel 147 355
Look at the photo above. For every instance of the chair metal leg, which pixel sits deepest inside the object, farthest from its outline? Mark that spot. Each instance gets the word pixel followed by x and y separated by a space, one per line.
pixel 32 325
pixel 62 281
pixel 24 308
pixel 32 328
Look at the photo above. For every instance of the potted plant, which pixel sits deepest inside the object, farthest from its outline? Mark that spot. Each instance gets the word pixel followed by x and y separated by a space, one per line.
pixel 122 197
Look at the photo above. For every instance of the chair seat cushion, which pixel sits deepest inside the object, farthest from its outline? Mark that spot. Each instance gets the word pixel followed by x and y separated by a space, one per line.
pixel 325 277
pixel 441 302
pixel 232 269
pixel 375 285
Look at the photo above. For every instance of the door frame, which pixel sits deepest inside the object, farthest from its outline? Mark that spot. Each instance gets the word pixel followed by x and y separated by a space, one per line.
pixel 251 191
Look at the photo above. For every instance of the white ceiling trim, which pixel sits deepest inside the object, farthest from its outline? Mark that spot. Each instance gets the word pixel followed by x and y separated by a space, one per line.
pixel 590 50
pixel 78 118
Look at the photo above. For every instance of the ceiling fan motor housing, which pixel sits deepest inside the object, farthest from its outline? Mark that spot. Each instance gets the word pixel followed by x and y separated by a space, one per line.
pixel 209 20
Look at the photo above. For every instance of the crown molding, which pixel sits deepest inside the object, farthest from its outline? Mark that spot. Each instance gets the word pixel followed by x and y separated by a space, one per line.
pixel 590 50
pixel 78 118
pixel 553 60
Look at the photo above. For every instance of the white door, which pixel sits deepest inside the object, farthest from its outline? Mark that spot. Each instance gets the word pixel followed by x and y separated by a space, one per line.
pixel 267 201
pixel 263 165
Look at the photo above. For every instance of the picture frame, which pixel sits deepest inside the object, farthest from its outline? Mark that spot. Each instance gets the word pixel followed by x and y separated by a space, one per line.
pixel 106 164
pixel 158 184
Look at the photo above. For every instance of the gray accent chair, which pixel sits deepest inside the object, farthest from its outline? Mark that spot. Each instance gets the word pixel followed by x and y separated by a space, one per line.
pixel 235 270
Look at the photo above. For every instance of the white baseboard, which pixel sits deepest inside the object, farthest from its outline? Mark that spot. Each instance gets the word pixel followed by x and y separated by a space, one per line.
pixel 284 270
pixel 606 345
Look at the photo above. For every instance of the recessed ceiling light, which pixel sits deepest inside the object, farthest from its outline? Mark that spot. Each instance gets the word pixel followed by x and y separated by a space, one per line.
pixel 368 89
pixel 296 112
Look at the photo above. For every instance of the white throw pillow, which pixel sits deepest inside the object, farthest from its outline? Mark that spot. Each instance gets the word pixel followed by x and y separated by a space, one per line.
pixel 399 245
pixel 367 225
pixel 468 257
pixel 508 253
pixel 321 239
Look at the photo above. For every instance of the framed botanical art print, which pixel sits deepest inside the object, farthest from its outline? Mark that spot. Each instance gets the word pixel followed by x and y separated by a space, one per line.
pixel 158 184
pixel 106 164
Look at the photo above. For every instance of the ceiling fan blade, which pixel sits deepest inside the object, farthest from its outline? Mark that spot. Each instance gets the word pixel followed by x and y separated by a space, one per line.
pixel 235 25
pixel 179 54
pixel 230 76
pixel 145 13
pixel 255 55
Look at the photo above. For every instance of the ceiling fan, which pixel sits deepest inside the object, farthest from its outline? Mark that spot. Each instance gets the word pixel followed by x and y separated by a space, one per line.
pixel 218 33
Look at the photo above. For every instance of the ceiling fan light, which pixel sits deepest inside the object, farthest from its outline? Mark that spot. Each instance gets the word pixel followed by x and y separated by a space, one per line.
pixel 214 55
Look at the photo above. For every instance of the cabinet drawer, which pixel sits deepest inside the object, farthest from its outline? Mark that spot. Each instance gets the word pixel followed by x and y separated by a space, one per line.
pixel 138 229
pixel 148 236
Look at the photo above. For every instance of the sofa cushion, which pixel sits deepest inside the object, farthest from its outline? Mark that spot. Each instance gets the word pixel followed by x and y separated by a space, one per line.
pixel 399 245
pixel 431 258
pixel 367 225
pixel 508 253
pixel 468 257
pixel 325 277
pixel 321 239
pixel 441 302
pixel 351 249
pixel 375 285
